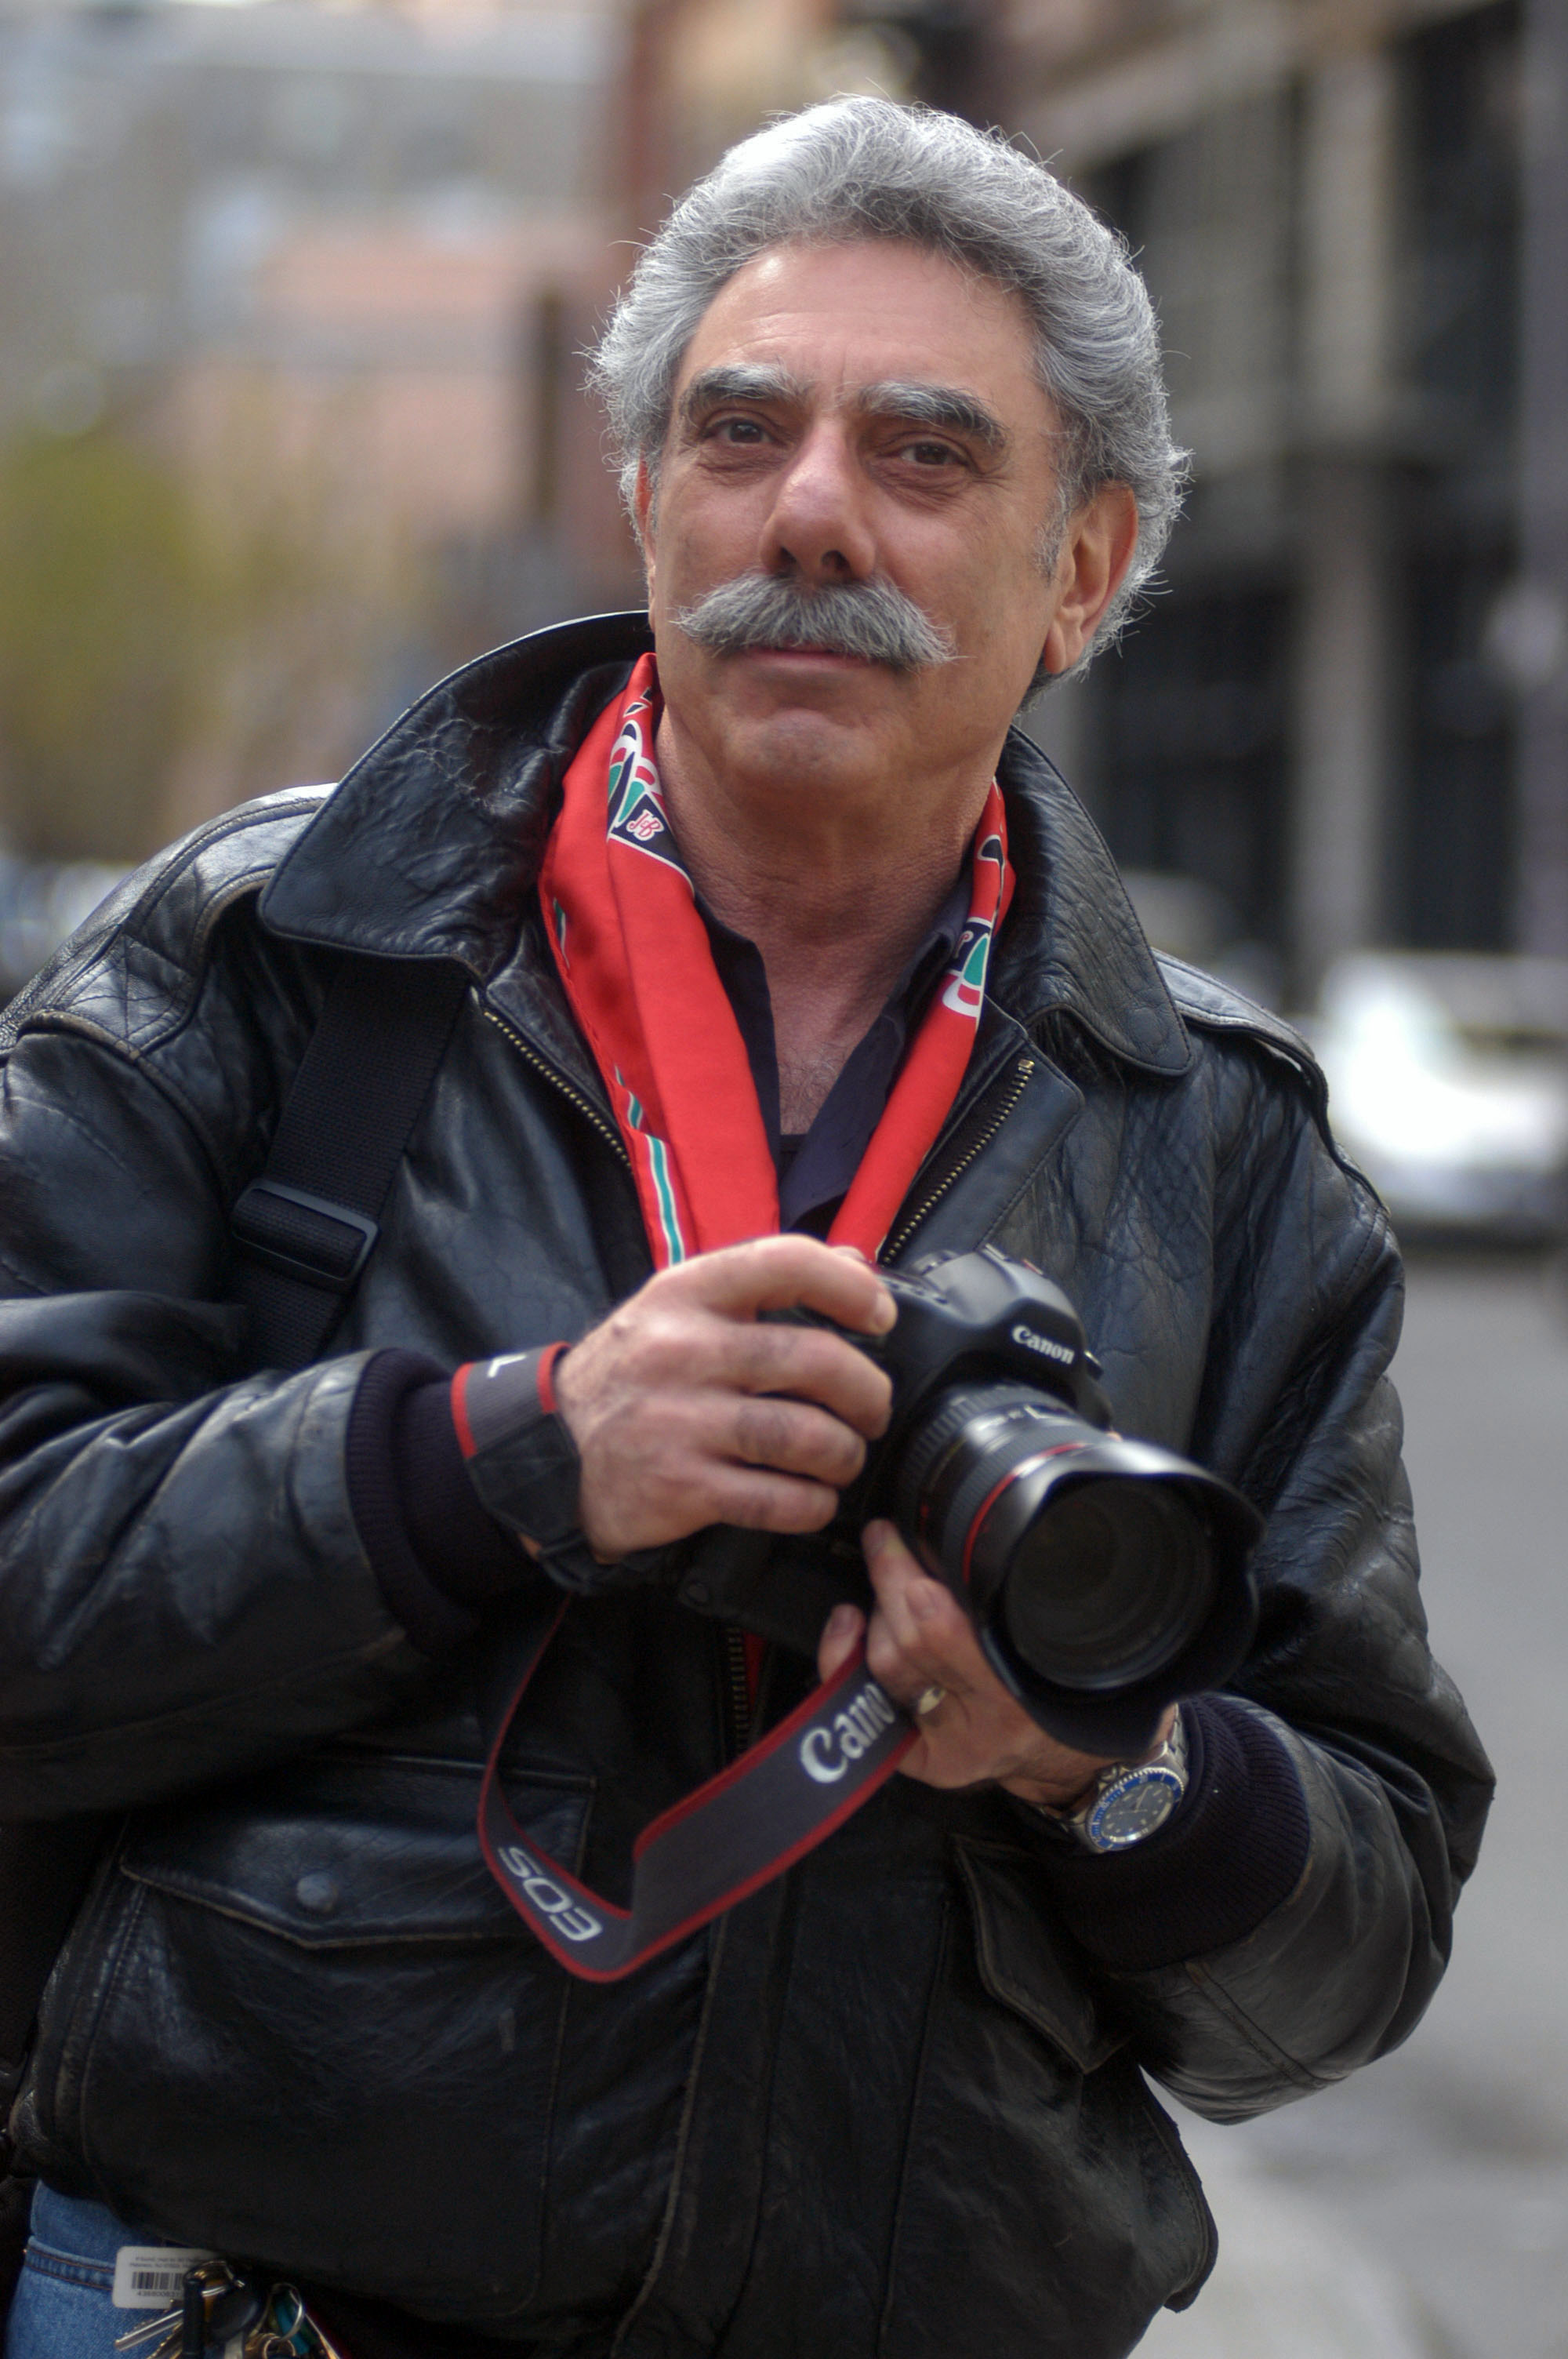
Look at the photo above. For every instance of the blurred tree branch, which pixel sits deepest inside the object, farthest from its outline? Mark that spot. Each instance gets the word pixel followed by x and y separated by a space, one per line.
pixel 174 638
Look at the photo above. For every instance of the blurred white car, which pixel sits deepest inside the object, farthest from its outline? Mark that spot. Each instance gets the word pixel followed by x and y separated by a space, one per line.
pixel 1448 1086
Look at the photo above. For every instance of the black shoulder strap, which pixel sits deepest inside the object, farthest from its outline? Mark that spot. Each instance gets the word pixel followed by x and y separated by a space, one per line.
pixel 305 1230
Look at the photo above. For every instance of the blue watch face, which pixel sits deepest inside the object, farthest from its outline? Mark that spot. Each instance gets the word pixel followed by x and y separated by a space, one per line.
pixel 1134 1808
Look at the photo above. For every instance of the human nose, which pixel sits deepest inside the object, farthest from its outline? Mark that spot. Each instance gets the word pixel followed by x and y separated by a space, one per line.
pixel 817 527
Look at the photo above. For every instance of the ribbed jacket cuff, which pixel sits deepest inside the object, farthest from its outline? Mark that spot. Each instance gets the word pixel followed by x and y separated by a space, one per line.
pixel 437 1553
pixel 1229 1855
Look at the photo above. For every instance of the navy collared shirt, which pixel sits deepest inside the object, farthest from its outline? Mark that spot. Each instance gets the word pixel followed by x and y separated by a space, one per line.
pixel 814 1170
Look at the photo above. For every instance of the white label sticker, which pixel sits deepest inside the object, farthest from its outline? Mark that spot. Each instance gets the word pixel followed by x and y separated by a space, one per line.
pixel 150 2277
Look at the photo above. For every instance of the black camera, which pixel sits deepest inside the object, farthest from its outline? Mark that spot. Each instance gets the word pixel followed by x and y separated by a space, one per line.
pixel 1105 1577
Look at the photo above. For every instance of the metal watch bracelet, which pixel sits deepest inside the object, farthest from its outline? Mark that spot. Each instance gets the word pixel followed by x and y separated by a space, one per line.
pixel 1128 1801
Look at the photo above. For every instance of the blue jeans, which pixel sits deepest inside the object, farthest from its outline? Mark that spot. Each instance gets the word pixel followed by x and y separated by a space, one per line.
pixel 63 2308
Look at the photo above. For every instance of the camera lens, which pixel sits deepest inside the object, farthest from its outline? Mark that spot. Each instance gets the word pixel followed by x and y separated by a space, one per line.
pixel 1108 1584
pixel 1095 1567
pixel 1105 1576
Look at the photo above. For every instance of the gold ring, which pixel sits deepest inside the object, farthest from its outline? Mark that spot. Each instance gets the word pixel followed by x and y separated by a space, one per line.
pixel 926 1701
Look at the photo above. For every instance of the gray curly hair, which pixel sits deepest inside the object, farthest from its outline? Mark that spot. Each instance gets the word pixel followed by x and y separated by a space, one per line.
pixel 861 167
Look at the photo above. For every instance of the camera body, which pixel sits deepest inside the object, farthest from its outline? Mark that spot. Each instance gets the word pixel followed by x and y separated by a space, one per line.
pixel 1105 1577
pixel 987 1317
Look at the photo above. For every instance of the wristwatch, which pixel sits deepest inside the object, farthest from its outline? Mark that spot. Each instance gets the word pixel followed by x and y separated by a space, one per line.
pixel 1130 1801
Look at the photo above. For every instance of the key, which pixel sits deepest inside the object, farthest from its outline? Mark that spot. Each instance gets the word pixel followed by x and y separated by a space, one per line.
pixel 148 2327
pixel 320 2344
pixel 193 2317
pixel 205 2286
pixel 233 2309
pixel 295 2331
pixel 213 2273
pixel 288 2320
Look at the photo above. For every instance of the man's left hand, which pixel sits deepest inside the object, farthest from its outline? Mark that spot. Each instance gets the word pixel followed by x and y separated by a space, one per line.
pixel 920 1639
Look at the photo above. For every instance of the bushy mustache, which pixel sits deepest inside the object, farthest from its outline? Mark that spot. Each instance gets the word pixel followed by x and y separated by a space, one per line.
pixel 872 619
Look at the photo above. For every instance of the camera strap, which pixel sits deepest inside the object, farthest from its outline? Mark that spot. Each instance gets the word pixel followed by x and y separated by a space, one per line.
pixel 768 1808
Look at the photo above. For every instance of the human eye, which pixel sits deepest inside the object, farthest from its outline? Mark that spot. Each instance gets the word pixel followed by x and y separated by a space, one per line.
pixel 928 454
pixel 735 433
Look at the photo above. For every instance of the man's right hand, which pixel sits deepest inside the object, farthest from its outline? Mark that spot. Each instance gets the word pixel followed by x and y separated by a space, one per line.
pixel 686 1409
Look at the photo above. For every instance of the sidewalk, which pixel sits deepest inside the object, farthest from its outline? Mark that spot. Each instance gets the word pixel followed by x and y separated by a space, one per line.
pixel 1290 2284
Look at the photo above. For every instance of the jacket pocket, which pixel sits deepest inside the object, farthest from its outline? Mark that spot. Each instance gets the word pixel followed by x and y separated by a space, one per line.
pixel 1036 2149
pixel 1027 1963
pixel 1024 1960
pixel 315 2034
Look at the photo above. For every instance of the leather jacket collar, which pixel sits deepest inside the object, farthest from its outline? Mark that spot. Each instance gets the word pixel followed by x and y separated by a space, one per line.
pixel 427 846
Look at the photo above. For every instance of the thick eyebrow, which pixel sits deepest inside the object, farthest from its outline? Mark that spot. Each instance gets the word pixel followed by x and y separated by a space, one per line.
pixel 738 381
pixel 933 405
pixel 944 407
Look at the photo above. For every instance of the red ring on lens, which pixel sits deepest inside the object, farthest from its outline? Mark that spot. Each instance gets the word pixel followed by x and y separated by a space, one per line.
pixel 1025 1466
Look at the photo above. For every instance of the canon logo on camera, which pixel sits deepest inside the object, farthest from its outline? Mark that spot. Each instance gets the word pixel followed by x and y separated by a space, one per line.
pixel 1043 1345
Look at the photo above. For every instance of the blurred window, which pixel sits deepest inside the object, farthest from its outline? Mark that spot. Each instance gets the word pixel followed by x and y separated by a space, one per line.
pixel 1453 839
pixel 1193 714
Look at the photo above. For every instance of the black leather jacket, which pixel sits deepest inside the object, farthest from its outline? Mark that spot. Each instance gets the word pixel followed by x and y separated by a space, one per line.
pixel 886 2105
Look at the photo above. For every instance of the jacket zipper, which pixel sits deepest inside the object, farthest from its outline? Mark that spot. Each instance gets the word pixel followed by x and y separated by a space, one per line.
pixel 976 1146
pixel 906 1228
pixel 735 1688
pixel 572 1094
pixel 737 1691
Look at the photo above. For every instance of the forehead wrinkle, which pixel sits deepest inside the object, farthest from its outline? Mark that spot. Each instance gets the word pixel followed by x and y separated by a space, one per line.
pixel 933 405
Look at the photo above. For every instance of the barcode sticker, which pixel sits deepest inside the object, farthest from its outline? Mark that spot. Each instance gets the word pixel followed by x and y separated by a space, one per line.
pixel 150 2277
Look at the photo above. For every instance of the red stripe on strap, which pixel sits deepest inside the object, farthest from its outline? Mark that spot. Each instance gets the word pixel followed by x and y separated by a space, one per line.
pixel 713 1848
pixel 548 1359
pixel 458 1398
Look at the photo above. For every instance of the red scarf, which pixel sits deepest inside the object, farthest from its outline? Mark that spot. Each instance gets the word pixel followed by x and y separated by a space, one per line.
pixel 634 959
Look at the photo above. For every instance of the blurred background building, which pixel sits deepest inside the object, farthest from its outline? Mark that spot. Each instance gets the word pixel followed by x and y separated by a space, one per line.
pixel 288 298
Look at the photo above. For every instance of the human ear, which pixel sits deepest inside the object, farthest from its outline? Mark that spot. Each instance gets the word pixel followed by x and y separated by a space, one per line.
pixel 1096 551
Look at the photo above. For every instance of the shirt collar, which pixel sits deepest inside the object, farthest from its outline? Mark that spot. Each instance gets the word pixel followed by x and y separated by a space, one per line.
pixel 817 1170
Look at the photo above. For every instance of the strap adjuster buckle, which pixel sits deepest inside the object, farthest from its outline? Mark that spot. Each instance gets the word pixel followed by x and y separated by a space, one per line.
pixel 303 1235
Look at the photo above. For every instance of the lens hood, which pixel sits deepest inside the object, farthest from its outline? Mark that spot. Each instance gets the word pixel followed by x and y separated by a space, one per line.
pixel 1103 1710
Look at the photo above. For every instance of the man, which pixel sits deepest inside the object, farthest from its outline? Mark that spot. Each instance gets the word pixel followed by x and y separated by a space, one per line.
pixel 895 443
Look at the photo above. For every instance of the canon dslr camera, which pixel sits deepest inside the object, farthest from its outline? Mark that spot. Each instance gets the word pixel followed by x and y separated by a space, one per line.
pixel 1105 1577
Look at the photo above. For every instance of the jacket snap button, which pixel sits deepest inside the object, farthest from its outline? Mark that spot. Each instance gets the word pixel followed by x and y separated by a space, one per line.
pixel 317 1893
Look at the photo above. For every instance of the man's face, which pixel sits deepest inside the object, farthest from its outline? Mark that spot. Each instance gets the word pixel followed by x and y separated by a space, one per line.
pixel 850 414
